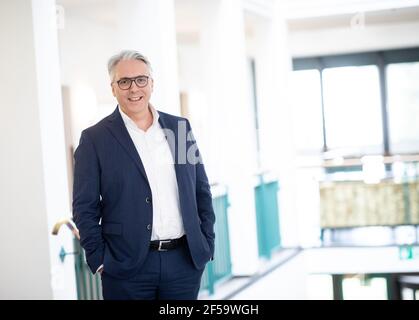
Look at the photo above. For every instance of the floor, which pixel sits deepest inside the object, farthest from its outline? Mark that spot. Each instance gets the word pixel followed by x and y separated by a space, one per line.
pixel 262 284
pixel 297 274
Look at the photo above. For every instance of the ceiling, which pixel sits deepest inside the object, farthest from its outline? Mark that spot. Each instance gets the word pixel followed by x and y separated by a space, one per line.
pixel 187 15
pixel 397 15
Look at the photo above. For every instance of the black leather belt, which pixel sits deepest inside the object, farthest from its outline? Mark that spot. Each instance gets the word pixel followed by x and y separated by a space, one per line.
pixel 164 245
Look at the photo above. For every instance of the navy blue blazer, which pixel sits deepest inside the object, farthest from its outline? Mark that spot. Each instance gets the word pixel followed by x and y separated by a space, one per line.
pixel 112 200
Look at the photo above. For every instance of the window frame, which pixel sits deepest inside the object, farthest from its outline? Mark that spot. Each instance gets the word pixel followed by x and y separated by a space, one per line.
pixel 381 59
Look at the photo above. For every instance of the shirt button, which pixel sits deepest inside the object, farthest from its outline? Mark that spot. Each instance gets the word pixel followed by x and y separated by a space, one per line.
pixel 148 199
pixel 149 227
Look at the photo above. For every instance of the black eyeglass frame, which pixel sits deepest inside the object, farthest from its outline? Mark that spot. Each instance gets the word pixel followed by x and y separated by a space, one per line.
pixel 134 79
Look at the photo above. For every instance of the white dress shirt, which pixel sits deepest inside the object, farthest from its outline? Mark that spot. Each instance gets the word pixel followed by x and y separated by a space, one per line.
pixel 158 163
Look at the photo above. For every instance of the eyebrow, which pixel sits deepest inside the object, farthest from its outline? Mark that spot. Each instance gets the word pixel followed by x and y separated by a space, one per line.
pixel 142 75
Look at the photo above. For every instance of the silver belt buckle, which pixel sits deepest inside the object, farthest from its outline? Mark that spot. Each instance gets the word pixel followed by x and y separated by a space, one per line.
pixel 161 242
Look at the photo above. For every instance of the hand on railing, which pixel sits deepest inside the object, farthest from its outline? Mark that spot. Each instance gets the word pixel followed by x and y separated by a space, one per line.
pixel 69 223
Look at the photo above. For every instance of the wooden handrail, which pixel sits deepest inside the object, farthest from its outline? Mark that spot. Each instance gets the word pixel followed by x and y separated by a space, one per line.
pixel 69 223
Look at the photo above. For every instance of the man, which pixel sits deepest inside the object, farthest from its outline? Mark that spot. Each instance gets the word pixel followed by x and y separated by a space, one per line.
pixel 141 201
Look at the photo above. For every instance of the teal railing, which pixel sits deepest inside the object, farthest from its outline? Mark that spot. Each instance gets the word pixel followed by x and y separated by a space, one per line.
pixel 220 268
pixel 89 286
pixel 267 219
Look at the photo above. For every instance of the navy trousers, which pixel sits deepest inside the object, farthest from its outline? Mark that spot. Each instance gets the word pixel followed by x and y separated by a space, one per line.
pixel 165 275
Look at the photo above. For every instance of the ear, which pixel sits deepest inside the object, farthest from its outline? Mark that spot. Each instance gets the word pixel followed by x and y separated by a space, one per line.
pixel 152 84
pixel 113 90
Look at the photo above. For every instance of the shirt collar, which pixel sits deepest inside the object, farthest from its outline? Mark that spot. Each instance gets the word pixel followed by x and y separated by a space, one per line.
pixel 129 122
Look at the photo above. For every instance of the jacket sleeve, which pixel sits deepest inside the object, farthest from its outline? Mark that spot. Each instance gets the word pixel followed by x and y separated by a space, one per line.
pixel 204 200
pixel 86 201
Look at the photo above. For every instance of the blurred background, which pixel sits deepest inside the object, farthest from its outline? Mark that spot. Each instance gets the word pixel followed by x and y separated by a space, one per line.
pixel 306 113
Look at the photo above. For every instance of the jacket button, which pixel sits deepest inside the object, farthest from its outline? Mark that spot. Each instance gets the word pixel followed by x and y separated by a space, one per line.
pixel 149 227
pixel 148 199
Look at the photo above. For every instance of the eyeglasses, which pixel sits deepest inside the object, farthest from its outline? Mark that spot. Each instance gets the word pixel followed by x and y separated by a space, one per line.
pixel 126 83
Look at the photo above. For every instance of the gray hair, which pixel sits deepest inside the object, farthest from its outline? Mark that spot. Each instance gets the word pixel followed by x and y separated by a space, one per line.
pixel 126 55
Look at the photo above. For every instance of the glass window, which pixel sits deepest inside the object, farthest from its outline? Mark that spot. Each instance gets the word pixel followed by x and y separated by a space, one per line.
pixel 408 294
pixel 306 106
pixel 353 110
pixel 403 106
pixel 360 288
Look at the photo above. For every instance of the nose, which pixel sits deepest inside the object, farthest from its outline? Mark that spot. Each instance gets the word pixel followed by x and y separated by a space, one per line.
pixel 134 87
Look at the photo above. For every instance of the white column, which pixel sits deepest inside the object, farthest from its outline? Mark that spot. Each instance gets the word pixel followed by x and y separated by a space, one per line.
pixel 149 27
pixel 33 184
pixel 231 157
pixel 273 67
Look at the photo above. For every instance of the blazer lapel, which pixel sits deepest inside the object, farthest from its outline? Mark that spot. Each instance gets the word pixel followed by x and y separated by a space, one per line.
pixel 117 127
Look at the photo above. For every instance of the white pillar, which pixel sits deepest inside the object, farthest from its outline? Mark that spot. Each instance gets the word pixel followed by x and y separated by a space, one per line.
pixel 149 27
pixel 231 158
pixel 273 67
pixel 33 184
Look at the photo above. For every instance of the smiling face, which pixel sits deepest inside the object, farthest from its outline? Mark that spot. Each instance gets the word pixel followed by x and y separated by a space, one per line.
pixel 133 101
